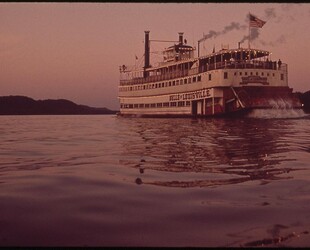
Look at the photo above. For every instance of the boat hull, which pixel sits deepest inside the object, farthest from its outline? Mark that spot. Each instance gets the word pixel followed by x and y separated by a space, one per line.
pixel 223 83
pixel 238 101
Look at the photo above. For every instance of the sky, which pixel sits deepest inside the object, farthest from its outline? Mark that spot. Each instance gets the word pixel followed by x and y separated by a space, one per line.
pixel 73 50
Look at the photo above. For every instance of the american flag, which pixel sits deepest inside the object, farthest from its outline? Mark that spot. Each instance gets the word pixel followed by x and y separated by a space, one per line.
pixel 256 22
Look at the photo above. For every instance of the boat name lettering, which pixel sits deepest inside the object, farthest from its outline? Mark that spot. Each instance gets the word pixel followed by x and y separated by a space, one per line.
pixel 254 79
pixel 190 96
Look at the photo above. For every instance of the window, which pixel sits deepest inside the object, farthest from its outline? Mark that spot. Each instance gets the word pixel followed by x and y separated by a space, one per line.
pixel 169 84
pixel 166 104
pixel 267 74
pixel 185 81
pixel 178 82
pixel 181 82
pixel 163 84
pixel 141 105
pixel 188 103
pixel 251 73
pixel 194 79
pixel 272 74
pixel 173 83
pixel 153 105
pixel 209 77
pixel 225 75
pixel 130 106
pixel 147 105
pixel 173 104
pixel 189 80
pixel 181 104
pixel 199 78
pixel 282 77
pixel 246 73
pixel 235 73
pixel 257 73
pixel 136 105
pixel 240 73
pixel 262 73
pixel 159 105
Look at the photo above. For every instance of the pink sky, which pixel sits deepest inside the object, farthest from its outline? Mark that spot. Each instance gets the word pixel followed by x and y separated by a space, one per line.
pixel 73 50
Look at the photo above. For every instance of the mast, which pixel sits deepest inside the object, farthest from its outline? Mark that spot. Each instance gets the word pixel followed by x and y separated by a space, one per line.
pixel 249 30
pixel 146 53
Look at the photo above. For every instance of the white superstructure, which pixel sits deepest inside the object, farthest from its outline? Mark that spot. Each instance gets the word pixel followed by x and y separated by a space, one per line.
pixel 225 81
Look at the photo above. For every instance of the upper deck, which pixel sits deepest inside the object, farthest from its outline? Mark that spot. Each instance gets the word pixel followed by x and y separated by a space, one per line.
pixel 224 59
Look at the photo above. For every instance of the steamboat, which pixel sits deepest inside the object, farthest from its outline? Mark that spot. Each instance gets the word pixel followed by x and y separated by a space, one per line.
pixel 224 82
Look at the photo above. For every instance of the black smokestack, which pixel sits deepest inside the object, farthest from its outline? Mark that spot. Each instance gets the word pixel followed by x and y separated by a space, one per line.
pixel 146 52
pixel 181 38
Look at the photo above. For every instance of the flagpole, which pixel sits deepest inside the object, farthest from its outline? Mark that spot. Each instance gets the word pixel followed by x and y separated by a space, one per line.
pixel 249 30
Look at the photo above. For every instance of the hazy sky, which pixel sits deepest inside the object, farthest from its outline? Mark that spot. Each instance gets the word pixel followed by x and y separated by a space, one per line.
pixel 73 50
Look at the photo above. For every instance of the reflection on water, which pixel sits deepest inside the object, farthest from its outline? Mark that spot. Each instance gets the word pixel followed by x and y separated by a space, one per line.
pixel 218 151
pixel 278 235
pixel 113 181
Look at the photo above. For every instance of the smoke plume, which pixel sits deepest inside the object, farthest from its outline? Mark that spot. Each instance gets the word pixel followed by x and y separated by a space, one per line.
pixel 279 40
pixel 232 26
pixel 270 15
pixel 254 35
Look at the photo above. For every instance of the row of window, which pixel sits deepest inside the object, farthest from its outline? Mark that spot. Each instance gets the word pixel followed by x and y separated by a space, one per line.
pixel 156 105
pixel 162 84
pixel 184 81
pixel 251 73
pixel 245 73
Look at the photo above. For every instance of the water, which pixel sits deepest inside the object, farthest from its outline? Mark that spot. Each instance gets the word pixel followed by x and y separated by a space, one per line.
pixel 112 181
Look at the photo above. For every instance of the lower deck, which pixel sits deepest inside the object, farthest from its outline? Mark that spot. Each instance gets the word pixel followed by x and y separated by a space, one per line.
pixel 211 101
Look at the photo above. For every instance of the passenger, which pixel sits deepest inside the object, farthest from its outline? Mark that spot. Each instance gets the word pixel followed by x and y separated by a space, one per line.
pixel 279 64
pixel 270 64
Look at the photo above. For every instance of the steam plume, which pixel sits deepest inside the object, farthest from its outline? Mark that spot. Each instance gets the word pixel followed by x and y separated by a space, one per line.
pixel 270 13
pixel 232 26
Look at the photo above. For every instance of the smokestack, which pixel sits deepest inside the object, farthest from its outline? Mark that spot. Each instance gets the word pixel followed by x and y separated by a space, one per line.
pixel 181 38
pixel 146 52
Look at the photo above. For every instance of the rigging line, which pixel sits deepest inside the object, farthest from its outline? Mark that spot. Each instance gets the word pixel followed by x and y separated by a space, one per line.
pixel 157 52
pixel 164 41
pixel 138 61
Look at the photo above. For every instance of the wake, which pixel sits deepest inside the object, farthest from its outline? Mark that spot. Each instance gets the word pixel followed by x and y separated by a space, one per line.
pixel 280 109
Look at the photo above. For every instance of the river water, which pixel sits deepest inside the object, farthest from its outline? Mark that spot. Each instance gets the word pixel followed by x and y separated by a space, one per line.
pixel 112 181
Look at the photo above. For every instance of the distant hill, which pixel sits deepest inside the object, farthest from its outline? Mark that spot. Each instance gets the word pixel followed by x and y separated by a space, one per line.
pixel 22 105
